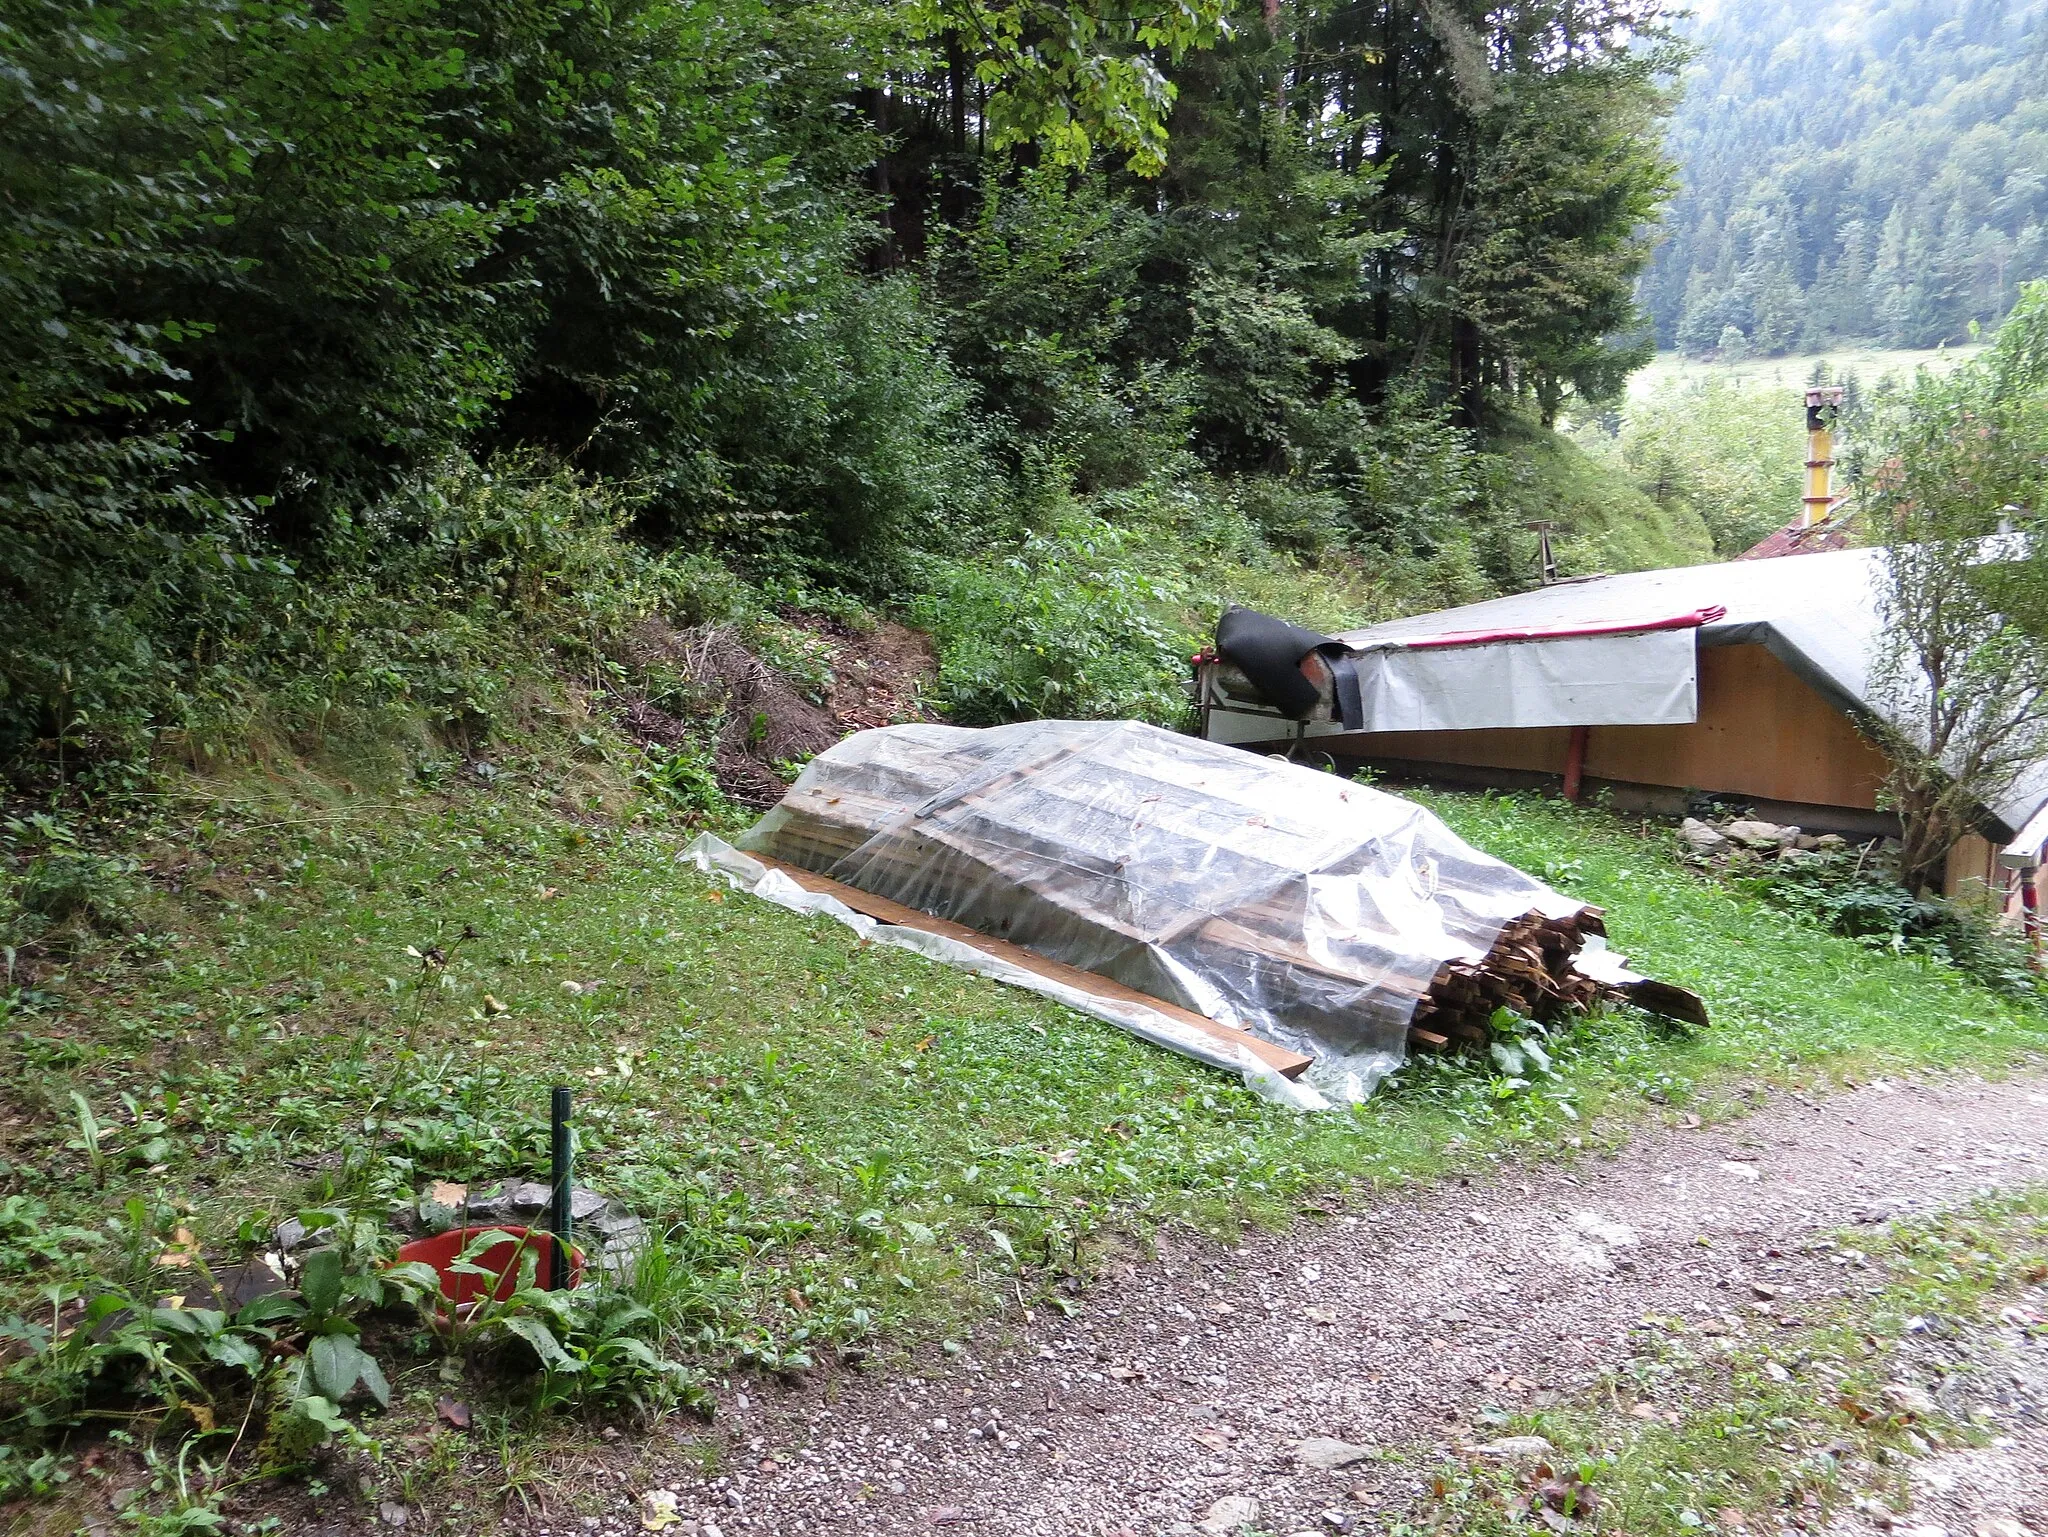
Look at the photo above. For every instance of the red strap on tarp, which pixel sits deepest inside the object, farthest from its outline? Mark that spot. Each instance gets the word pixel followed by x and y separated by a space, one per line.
pixel 1688 621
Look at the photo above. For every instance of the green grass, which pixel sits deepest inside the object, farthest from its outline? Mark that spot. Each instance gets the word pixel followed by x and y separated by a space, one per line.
pixel 846 1145
pixel 808 1111
pixel 1791 372
pixel 1787 1000
pixel 1742 1428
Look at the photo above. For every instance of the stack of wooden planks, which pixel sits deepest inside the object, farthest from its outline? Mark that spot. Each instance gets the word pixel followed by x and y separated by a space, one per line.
pixel 1528 970
pixel 1108 863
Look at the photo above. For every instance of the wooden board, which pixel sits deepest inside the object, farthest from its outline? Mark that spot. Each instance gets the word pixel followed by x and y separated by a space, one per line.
pixel 1289 1064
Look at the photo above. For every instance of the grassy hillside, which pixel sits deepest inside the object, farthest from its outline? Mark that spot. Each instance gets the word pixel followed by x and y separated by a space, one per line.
pixel 1792 372
pixel 1605 521
pixel 305 996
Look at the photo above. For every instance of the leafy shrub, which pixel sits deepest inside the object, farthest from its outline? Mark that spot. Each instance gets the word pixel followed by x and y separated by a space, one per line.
pixel 1837 891
pixel 299 1355
pixel 1409 479
pixel 860 445
pixel 57 884
pixel 592 1346
pixel 127 1344
pixel 1291 514
pixel 1263 399
pixel 1065 626
pixel 28 1239
pixel 682 780
pixel 429 603
pixel 1041 285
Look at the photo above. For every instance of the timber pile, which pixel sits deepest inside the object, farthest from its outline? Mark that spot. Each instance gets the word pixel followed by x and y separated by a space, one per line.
pixel 1131 864
pixel 1529 970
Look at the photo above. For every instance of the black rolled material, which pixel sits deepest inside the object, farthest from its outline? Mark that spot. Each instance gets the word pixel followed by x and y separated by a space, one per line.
pixel 1269 651
pixel 1350 695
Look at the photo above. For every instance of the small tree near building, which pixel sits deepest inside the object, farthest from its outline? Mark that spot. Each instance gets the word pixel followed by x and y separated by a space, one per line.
pixel 1959 490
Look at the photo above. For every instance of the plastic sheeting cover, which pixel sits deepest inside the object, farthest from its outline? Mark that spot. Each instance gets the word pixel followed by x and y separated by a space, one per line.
pixel 1309 910
pixel 1647 678
pixel 714 856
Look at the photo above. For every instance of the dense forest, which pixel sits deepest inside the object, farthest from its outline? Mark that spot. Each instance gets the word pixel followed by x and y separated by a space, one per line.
pixel 1875 172
pixel 330 336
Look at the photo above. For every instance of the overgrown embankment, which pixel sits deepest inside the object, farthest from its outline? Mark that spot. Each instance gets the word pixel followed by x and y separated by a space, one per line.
pixel 357 370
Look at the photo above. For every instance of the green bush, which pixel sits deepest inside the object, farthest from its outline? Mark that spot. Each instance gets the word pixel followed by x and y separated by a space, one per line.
pixel 1290 514
pixel 1841 893
pixel 49 883
pixel 1039 291
pixel 864 447
pixel 1711 453
pixel 681 780
pixel 1066 625
pixel 430 604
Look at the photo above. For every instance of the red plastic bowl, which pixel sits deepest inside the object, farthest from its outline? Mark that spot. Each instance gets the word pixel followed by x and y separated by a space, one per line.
pixel 443 1250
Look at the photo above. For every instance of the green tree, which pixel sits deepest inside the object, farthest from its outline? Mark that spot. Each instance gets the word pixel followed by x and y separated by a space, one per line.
pixel 1568 188
pixel 1830 124
pixel 1963 677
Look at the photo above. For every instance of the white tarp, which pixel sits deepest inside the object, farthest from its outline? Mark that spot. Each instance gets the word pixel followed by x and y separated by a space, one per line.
pixel 1818 614
pixel 714 856
pixel 1309 910
pixel 1650 678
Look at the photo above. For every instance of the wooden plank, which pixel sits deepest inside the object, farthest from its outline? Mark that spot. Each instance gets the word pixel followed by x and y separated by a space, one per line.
pixel 1288 1064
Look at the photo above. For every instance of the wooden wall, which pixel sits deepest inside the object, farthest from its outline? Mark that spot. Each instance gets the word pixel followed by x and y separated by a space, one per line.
pixel 1973 875
pixel 1761 732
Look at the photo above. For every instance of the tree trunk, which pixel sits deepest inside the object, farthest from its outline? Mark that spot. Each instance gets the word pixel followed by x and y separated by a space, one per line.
pixel 1926 834
pixel 885 253
pixel 1466 373
pixel 1272 8
pixel 956 91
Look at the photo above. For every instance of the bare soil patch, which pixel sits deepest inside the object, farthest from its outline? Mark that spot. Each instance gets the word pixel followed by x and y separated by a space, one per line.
pixel 877 676
pixel 880 675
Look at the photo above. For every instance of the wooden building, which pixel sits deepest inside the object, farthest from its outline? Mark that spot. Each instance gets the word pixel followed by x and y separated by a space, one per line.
pixel 1741 682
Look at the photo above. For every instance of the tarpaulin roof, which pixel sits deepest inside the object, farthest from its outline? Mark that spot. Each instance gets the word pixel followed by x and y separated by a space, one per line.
pixel 1817 614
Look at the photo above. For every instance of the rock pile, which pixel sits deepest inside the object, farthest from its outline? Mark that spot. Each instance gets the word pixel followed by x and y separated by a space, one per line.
pixel 1748 841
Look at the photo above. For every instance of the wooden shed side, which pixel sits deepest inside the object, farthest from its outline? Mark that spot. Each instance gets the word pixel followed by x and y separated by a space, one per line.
pixel 1762 731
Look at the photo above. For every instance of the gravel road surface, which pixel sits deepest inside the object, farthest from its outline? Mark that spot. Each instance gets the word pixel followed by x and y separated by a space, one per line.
pixel 1196 1378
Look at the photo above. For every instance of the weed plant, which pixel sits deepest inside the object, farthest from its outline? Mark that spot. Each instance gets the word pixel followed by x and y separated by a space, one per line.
pixel 1843 894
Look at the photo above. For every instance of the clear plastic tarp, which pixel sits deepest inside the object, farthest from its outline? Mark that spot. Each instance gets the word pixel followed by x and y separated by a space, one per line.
pixel 714 856
pixel 1309 910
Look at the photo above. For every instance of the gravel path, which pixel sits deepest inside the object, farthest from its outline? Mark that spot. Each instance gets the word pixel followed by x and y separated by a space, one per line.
pixel 1191 1379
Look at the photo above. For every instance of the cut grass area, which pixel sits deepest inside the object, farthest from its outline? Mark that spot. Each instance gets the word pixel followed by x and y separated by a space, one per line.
pixel 1725 1429
pixel 330 1002
pixel 1791 373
